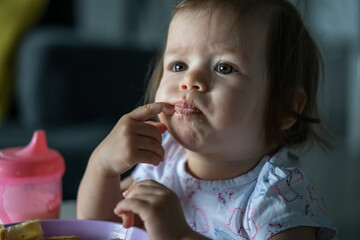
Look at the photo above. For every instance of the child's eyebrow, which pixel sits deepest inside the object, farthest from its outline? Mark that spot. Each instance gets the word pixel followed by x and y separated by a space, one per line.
pixel 215 48
pixel 224 48
pixel 176 50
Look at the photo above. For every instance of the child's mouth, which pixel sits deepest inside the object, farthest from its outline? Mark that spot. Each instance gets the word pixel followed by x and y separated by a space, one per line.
pixel 185 108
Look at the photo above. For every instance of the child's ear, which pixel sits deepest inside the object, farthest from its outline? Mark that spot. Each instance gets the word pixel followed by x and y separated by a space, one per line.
pixel 299 105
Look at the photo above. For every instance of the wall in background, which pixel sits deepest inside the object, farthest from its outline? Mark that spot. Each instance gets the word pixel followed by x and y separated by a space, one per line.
pixel 335 27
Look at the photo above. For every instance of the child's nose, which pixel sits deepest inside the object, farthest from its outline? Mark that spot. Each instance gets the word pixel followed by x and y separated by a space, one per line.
pixel 195 80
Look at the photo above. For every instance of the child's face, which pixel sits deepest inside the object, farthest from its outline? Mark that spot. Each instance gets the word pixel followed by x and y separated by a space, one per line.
pixel 216 81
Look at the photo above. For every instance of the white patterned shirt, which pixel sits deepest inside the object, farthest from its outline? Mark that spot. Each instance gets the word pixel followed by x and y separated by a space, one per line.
pixel 272 197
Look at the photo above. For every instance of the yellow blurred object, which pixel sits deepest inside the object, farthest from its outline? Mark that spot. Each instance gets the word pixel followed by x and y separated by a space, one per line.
pixel 29 230
pixel 16 16
pixel 2 232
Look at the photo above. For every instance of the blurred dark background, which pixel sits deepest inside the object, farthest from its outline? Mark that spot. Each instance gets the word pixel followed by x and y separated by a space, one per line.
pixel 74 67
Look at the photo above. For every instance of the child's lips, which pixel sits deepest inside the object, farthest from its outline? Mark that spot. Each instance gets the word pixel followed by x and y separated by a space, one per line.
pixel 186 108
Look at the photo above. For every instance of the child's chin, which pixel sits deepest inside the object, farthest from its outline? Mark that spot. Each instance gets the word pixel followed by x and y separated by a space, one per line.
pixel 189 140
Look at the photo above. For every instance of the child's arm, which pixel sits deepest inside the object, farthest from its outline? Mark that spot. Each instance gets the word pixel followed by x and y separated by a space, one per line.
pixel 96 195
pixel 159 209
pixel 131 141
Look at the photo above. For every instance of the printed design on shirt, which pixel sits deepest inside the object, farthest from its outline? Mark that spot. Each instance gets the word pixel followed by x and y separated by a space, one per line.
pixel 199 223
pixel 259 191
pixel 284 186
pixel 315 202
pixel 224 196
pixel 221 235
pixel 168 180
pixel 261 187
pixel 308 211
pixel 191 186
pixel 274 228
pixel 235 224
pixel 150 167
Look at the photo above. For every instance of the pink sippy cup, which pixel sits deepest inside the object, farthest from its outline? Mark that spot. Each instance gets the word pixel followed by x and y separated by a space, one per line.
pixel 30 181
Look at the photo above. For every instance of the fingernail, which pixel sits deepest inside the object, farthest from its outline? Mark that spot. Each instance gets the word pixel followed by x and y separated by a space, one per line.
pixel 125 193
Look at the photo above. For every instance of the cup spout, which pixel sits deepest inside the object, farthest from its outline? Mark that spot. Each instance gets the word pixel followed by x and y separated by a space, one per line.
pixel 37 146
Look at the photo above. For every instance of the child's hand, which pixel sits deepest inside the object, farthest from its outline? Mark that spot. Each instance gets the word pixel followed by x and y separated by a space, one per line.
pixel 158 207
pixel 132 141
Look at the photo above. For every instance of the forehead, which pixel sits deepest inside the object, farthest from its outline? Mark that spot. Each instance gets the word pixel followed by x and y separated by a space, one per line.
pixel 221 29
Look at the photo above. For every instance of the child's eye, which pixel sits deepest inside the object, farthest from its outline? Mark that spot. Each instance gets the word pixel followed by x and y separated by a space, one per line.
pixel 178 67
pixel 225 68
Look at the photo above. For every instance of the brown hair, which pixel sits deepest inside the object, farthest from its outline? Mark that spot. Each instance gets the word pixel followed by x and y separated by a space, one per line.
pixel 293 62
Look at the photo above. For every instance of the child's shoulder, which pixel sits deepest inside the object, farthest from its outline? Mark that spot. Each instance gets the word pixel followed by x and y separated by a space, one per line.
pixel 281 164
pixel 284 198
pixel 284 158
pixel 282 173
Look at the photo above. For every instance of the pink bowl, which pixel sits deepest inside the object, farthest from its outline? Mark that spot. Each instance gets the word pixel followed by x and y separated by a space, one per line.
pixel 90 229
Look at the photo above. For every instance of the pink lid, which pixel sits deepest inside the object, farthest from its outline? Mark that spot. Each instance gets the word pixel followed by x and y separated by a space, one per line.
pixel 34 160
